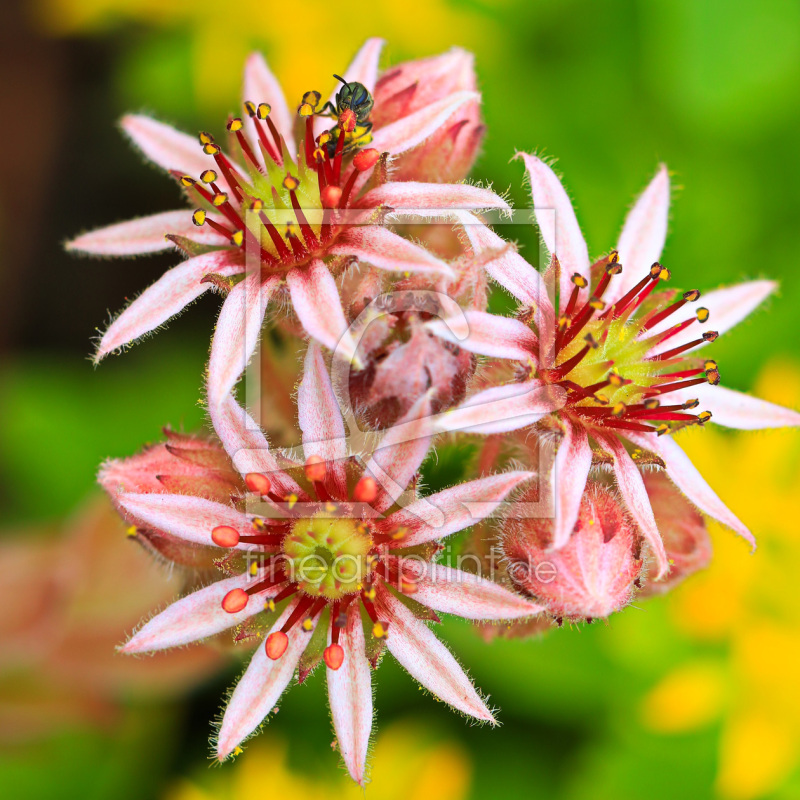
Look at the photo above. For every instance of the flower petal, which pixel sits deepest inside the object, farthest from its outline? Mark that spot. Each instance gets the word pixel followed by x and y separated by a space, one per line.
pixel 320 418
pixel 451 510
pixel 144 235
pixel 416 198
pixel 192 618
pixel 172 292
pixel 727 307
pixel 489 335
pixel 453 591
pixel 186 517
pixel 643 236
pixel 261 86
pixel 426 659
pixel 259 688
pixel 408 132
pixel 570 473
pixel 350 696
pixel 318 306
pixel 387 250
pixel 503 408
pixel 633 491
pixel 237 333
pixel 399 454
pixel 165 146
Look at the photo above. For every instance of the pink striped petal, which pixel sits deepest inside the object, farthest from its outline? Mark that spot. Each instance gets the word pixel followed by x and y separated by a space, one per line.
pixel 247 446
pixel 350 696
pixel 184 516
pixel 570 473
pixel 728 307
pixel 260 687
pixel 318 306
pixel 417 198
pixel 688 479
pixel 643 236
pixel 397 457
pixel 489 335
pixel 261 86
pixel 464 594
pixel 387 250
pixel 165 146
pixel 171 293
pixel 633 491
pixel 426 659
pixel 738 410
pixel 561 233
pixel 237 333
pixel 192 618
pixel 503 408
pixel 320 418
pixel 454 509
pixel 144 235
pixel 408 132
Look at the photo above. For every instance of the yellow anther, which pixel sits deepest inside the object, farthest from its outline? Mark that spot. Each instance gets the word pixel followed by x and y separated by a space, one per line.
pixel 263 110
pixel 712 376
pixel 291 501
pixel 211 149
pixel 199 217
pixel 132 531
pixel 205 138
pixel 235 125
pixel 269 605
pixel 290 182
pixel 652 403
pixel 305 110
pixel 691 404
pixel 324 138
pixel 237 238
pixel 258 524
pixel 258 204
pixel 564 323
pixel 615 379
pixel 602 399
pixel 319 154
pixel 710 364
pixel 614 269
pixel 380 630
pixel 662 429
pixel 209 176
pixel 655 270
pixel 703 417
pixel 619 409
pixel 613 257
pixel 237 751
pixel 691 295
pixel 597 305
pixel 400 533
pixel 312 98
pixel 291 230
pixel 703 314
pixel 665 274
pixel 579 280
pixel 188 181
pixel 220 199
pixel 250 107
pixel 308 624
pixel 636 455
pixel 254 568
pixel 370 593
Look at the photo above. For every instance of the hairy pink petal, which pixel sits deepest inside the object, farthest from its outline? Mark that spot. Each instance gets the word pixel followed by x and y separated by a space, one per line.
pixel 421 197
pixel 454 509
pixel 634 493
pixel 192 618
pixel 187 517
pixel 320 418
pixel 259 688
pixel 453 591
pixel 503 408
pixel 237 333
pixel 144 235
pixel 687 479
pixel 488 335
pixel 318 306
pixel 727 307
pixel 426 659
pixel 570 473
pixel 399 454
pixel 261 86
pixel 387 250
pixel 165 146
pixel 172 292
pixel 350 696
pixel 408 132
pixel 643 236
pixel 561 233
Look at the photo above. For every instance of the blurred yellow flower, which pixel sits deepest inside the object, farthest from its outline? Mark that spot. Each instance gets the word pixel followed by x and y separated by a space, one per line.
pixel 408 765
pixel 746 604
pixel 223 35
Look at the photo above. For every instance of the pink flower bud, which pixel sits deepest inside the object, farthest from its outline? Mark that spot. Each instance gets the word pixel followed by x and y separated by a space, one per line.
pixel 448 155
pixel 593 574
pixel 683 530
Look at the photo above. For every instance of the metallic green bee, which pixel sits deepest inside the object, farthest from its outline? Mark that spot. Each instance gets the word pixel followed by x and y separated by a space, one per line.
pixel 353 106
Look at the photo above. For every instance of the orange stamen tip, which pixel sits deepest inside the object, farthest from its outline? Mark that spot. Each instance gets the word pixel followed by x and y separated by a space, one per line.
pixel 235 600
pixel 276 645
pixel 290 182
pixel 333 656
pixel 348 120
pixel 315 468
pixel 225 536
pixel 366 159
pixel 258 483
pixel 330 196
pixel 366 490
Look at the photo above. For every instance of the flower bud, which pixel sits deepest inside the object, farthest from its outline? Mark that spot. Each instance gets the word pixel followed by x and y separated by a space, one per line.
pixel 683 530
pixel 447 155
pixel 593 574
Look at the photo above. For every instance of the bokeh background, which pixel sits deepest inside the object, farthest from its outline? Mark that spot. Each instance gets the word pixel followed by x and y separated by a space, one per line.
pixel 696 694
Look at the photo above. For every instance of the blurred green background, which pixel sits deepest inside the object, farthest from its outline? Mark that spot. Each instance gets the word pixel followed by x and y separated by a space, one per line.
pixel 695 694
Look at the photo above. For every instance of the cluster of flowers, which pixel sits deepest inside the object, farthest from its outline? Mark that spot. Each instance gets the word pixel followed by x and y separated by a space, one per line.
pixel 331 553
